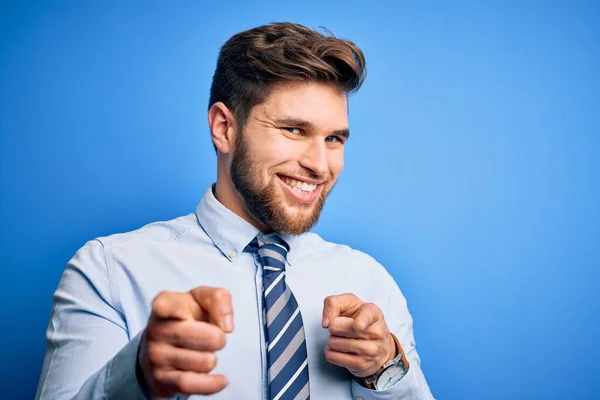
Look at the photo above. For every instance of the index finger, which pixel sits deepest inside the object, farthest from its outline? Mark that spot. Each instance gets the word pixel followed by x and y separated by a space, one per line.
pixel 344 305
pixel 217 303
pixel 175 305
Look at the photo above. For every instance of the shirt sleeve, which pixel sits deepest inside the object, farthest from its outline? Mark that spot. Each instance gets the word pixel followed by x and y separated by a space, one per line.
pixel 89 351
pixel 413 386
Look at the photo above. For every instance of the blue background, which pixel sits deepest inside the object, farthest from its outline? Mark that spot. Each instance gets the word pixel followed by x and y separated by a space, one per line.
pixel 473 171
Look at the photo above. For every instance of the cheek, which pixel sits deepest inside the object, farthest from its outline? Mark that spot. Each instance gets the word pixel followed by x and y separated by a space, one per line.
pixel 283 154
pixel 270 163
pixel 336 163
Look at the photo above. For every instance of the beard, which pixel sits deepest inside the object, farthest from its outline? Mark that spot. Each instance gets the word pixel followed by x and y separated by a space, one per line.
pixel 263 204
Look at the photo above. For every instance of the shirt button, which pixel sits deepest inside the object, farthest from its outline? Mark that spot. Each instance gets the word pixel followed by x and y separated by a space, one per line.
pixel 359 398
pixel 233 254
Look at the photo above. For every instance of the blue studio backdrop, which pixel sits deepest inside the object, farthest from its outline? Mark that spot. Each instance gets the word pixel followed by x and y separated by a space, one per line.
pixel 472 174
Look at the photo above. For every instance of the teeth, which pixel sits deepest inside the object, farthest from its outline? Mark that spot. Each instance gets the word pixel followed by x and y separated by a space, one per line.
pixel 300 186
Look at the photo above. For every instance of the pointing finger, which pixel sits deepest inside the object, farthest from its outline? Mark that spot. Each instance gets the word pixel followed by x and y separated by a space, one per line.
pixel 180 306
pixel 217 303
pixel 344 305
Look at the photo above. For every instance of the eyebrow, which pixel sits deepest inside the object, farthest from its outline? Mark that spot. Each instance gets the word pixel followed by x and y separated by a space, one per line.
pixel 300 123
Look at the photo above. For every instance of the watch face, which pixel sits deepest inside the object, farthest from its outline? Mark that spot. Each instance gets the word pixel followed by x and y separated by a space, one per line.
pixel 389 377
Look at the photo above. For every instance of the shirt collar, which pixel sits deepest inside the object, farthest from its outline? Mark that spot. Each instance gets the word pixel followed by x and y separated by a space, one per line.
pixel 230 232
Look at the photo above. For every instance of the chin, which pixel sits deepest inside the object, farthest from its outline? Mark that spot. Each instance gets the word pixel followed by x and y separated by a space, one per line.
pixel 293 221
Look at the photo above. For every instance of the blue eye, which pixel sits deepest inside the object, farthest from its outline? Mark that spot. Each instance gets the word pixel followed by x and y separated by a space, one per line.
pixel 333 139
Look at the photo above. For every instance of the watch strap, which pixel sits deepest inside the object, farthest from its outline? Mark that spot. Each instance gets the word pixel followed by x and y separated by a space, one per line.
pixel 369 381
pixel 400 350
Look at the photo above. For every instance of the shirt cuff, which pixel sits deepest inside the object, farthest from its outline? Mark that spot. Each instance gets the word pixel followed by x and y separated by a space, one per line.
pixel 121 379
pixel 408 388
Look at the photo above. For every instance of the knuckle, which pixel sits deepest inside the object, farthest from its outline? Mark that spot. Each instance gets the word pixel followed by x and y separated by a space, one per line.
pixel 160 300
pixel 371 350
pixel 350 346
pixel 211 361
pixel 185 383
pixel 217 341
pixel 178 335
pixel 376 334
pixel 329 300
pixel 369 305
pixel 154 356
pixel 214 339
pixel 157 376
pixel 221 294
pixel 360 364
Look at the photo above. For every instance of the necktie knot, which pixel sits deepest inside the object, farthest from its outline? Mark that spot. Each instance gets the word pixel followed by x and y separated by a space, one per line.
pixel 272 250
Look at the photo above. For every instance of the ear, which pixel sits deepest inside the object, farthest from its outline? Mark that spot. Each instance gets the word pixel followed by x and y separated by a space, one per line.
pixel 223 127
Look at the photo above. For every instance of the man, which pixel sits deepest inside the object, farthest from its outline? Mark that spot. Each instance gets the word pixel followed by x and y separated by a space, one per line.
pixel 238 300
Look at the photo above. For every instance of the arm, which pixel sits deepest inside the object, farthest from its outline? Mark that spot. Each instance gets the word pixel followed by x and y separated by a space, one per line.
pixel 413 386
pixel 90 352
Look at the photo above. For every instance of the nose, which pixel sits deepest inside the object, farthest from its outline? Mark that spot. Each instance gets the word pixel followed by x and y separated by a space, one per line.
pixel 314 158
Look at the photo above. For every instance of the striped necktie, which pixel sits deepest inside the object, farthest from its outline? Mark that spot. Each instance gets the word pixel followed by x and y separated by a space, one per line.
pixel 287 360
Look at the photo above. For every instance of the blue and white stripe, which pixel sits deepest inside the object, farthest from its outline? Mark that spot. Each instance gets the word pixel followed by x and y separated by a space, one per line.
pixel 286 343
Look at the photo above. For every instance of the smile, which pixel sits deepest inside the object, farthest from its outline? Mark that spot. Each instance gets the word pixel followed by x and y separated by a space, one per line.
pixel 300 191
pixel 299 186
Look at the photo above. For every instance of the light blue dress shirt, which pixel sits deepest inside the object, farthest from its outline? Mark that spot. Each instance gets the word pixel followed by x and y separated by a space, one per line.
pixel 104 297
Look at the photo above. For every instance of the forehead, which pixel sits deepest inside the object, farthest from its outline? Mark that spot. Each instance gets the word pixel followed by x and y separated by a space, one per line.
pixel 323 105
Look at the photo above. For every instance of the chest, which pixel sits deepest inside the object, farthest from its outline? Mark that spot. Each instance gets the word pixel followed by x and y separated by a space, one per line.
pixel 243 360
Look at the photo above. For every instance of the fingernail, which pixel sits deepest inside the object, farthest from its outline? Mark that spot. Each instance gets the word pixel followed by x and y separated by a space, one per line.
pixel 228 320
pixel 325 322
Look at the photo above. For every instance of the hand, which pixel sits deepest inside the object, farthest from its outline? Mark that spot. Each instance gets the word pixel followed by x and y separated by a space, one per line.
pixel 177 350
pixel 360 340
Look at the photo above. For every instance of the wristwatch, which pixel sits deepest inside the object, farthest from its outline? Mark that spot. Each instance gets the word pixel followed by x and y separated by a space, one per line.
pixel 390 373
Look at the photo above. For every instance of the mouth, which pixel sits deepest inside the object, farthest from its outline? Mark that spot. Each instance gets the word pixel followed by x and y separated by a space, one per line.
pixel 301 190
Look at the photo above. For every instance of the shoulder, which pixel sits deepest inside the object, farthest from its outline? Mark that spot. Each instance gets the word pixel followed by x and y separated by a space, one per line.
pixel 322 247
pixel 351 270
pixel 95 260
pixel 155 232
pixel 151 234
